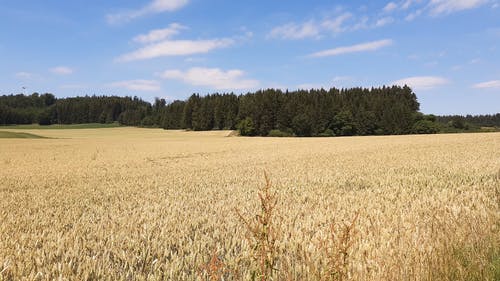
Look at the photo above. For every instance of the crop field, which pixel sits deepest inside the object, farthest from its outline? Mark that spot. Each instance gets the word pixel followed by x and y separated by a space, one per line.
pixel 149 204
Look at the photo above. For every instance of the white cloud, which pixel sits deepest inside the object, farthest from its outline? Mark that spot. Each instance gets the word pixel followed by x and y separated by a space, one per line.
pixel 406 4
pixel 495 84
pixel 296 31
pixel 213 78
pixel 361 24
pixel 433 7
pixel 341 78
pixel 176 48
pixel 159 34
pixel 25 75
pixel 439 7
pixel 154 7
pixel 364 47
pixel 337 24
pixel 391 6
pixel 333 25
pixel 138 85
pixel 384 21
pixel 414 15
pixel 167 5
pixel 422 82
pixel 62 70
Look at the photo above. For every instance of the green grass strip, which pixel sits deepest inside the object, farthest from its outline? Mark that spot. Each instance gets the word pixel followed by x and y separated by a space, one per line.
pixel 13 135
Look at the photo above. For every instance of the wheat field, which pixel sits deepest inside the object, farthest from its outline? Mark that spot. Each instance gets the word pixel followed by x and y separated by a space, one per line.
pixel 149 204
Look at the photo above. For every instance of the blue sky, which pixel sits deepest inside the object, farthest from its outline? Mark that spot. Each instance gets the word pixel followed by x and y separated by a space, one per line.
pixel 447 50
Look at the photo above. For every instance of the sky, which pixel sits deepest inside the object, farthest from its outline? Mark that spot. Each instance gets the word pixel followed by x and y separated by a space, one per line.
pixel 446 50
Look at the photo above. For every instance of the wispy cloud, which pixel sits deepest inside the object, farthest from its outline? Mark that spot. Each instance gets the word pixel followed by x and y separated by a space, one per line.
pixel 154 7
pixel 176 48
pixel 402 5
pixel 495 84
pixel 416 8
pixel 159 43
pixel 405 5
pixel 337 24
pixel 384 21
pixel 422 82
pixel 414 15
pixel 440 7
pixel 62 70
pixel 391 6
pixel 214 78
pixel 296 31
pixel 315 29
pixel 25 75
pixel 137 85
pixel 159 34
pixel 364 47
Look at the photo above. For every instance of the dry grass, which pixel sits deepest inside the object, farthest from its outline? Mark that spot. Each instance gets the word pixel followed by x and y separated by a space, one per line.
pixel 144 204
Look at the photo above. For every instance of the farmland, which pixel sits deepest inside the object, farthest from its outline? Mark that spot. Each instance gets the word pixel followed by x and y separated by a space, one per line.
pixel 148 204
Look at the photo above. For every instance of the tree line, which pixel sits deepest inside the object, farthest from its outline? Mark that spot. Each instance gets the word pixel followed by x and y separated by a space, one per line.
pixel 46 109
pixel 270 112
pixel 470 121
pixel 333 112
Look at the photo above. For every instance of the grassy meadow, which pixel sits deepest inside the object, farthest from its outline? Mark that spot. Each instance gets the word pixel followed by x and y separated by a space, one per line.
pixel 148 204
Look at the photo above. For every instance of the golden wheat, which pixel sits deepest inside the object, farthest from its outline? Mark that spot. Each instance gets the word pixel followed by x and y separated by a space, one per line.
pixel 145 204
